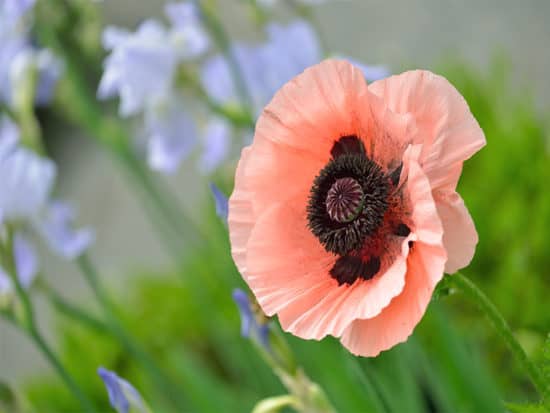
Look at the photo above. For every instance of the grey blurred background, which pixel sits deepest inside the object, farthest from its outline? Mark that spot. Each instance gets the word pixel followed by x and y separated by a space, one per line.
pixel 398 33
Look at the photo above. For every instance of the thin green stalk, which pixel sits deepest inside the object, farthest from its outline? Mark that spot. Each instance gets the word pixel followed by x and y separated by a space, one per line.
pixel 27 324
pixel 54 361
pixel 165 386
pixel 464 284
pixel 223 41
pixel 73 312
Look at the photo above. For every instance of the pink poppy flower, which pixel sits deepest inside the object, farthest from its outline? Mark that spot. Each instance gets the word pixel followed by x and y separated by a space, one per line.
pixel 345 214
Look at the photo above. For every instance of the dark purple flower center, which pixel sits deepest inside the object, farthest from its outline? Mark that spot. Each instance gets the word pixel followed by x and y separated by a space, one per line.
pixel 344 200
pixel 348 206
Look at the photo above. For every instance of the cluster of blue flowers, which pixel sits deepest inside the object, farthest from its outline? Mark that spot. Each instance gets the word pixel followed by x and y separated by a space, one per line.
pixel 26 203
pixel 27 177
pixel 142 69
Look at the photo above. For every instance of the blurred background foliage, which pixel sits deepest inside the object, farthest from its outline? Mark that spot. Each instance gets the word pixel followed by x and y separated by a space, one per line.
pixel 454 362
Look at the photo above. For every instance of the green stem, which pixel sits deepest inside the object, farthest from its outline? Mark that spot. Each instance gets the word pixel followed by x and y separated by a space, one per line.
pixel 54 361
pixel 27 324
pixel 499 323
pixel 222 40
pixel 73 312
pixel 165 386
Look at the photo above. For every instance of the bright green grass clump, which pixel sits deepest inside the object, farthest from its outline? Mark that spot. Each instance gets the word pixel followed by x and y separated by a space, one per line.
pixel 454 362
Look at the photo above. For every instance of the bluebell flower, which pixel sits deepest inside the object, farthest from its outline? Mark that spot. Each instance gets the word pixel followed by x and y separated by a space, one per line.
pixel 189 35
pixel 123 397
pixel 171 134
pixel 140 68
pixel 221 201
pixel 25 189
pixel 27 179
pixel 26 266
pixel 217 144
pixel 56 226
pixel 250 327
pixel 288 51
pixel 11 14
pixel 142 65
pixel 16 49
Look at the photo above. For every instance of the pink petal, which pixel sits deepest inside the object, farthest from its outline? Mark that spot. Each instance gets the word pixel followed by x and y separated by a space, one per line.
pixel 425 265
pixel 288 271
pixel 460 235
pixel 447 128
pixel 241 216
pixel 397 321
pixel 315 108
pixel 276 172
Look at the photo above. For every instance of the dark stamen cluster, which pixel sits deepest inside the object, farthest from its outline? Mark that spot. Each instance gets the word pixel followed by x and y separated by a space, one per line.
pixel 347 207
pixel 350 166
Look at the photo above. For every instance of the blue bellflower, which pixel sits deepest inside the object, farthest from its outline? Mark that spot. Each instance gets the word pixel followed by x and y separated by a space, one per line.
pixel 123 397
pixel 221 201
pixel 288 51
pixel 141 70
pixel 17 50
pixel 25 189
pixel 250 327
pixel 26 266
pixel 216 143
pixel 189 35
pixel 172 134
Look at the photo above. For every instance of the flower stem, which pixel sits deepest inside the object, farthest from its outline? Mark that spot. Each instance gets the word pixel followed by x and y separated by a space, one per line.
pixel 222 40
pixel 499 323
pixel 54 361
pixel 73 312
pixel 165 385
pixel 27 323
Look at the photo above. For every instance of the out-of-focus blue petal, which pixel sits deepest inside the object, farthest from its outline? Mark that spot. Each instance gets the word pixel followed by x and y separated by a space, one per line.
pixel 188 33
pixel 172 135
pixel 50 69
pixel 26 183
pixel 222 208
pixel 26 260
pixel 217 81
pixel 56 227
pixel 9 136
pixel 11 12
pixel 6 285
pixel 140 68
pixel 250 327
pixel 122 395
pixel 371 72
pixel 217 143
pixel 289 50
pixel 9 49
pixel 26 265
